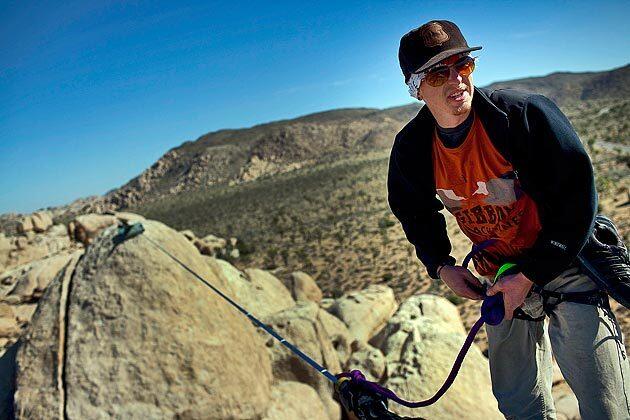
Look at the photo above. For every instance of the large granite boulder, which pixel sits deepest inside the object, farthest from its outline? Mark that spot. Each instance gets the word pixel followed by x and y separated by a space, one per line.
pixel 56 239
pixel 23 249
pixel 368 360
pixel 25 225
pixel 257 290
pixel 87 226
pixel 210 245
pixel 129 333
pixel 338 333
pixel 420 343
pixel 38 222
pixel 5 249
pixel 366 311
pixel 42 220
pixel 28 282
pixel 20 289
pixel 303 287
pixel 301 326
pixel 293 400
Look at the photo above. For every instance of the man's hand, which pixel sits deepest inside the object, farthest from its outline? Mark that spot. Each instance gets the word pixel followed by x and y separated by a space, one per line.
pixel 515 288
pixel 462 282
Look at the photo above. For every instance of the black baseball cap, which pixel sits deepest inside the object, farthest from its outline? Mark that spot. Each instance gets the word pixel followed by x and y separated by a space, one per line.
pixel 429 44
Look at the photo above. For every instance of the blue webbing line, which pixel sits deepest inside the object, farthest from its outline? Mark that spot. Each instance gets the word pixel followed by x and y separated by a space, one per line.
pixel 268 329
pixel 476 249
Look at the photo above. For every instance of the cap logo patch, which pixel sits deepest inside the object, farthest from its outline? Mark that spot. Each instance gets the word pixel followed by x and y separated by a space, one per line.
pixel 433 34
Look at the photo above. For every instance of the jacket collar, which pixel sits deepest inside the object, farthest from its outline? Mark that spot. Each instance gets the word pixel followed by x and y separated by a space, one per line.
pixel 482 104
pixel 486 108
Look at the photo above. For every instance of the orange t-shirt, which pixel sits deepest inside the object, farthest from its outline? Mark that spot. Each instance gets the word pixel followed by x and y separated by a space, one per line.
pixel 481 189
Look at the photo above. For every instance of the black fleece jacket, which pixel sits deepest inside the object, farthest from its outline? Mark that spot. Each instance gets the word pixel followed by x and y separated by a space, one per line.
pixel 549 159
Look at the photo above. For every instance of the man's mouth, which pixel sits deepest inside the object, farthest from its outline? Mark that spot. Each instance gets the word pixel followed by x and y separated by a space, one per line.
pixel 457 95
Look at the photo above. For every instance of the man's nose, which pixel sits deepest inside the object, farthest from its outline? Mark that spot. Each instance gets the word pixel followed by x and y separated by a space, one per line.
pixel 454 76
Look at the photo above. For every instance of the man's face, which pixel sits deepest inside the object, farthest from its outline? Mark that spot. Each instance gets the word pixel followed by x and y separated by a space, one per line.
pixel 451 102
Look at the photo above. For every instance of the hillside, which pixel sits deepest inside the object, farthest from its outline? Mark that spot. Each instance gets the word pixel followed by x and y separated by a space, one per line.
pixel 566 88
pixel 238 156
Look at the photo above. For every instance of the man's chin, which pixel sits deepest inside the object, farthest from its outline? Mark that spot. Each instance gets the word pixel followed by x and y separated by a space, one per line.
pixel 462 109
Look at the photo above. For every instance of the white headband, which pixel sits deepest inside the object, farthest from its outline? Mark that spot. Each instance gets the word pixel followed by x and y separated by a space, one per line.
pixel 414 83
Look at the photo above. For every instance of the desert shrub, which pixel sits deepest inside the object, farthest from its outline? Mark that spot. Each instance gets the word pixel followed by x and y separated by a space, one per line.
pixel 245 248
pixel 385 223
pixel 454 299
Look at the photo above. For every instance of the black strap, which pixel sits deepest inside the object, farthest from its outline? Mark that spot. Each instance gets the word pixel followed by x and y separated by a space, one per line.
pixel 520 314
pixel 551 299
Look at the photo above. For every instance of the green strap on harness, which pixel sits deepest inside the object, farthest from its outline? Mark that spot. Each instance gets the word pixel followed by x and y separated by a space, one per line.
pixel 503 270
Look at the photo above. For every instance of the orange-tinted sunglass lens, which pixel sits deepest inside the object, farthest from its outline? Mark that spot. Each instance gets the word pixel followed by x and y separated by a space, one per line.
pixel 439 76
pixel 466 67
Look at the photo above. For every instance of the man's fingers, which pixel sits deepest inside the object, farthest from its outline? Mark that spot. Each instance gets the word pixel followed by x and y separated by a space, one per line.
pixel 477 288
pixel 509 309
pixel 475 285
pixel 466 292
pixel 470 277
pixel 472 293
pixel 509 314
pixel 496 288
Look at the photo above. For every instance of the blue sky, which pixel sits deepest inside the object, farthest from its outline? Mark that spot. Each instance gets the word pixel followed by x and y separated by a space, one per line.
pixel 92 93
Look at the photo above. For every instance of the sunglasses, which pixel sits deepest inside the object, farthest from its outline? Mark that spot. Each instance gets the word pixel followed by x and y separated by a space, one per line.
pixel 438 75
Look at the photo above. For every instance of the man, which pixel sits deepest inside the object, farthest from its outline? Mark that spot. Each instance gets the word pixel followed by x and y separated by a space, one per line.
pixel 513 172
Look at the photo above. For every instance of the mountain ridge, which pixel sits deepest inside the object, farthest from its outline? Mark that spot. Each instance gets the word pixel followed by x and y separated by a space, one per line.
pixel 235 156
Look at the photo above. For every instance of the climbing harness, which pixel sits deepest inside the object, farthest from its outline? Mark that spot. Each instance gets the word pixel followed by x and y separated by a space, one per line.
pixel 365 399
pixel 551 299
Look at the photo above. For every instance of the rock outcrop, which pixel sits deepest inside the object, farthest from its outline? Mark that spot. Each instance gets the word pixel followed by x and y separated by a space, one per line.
pixel 20 289
pixel 87 226
pixel 140 338
pixel 23 249
pixel 339 335
pixel 37 222
pixel 365 312
pixel 262 293
pixel 303 287
pixel 420 343
pixel 368 360
pixel 27 282
pixel 292 400
pixel 213 246
pixel 301 326
pixel 41 221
